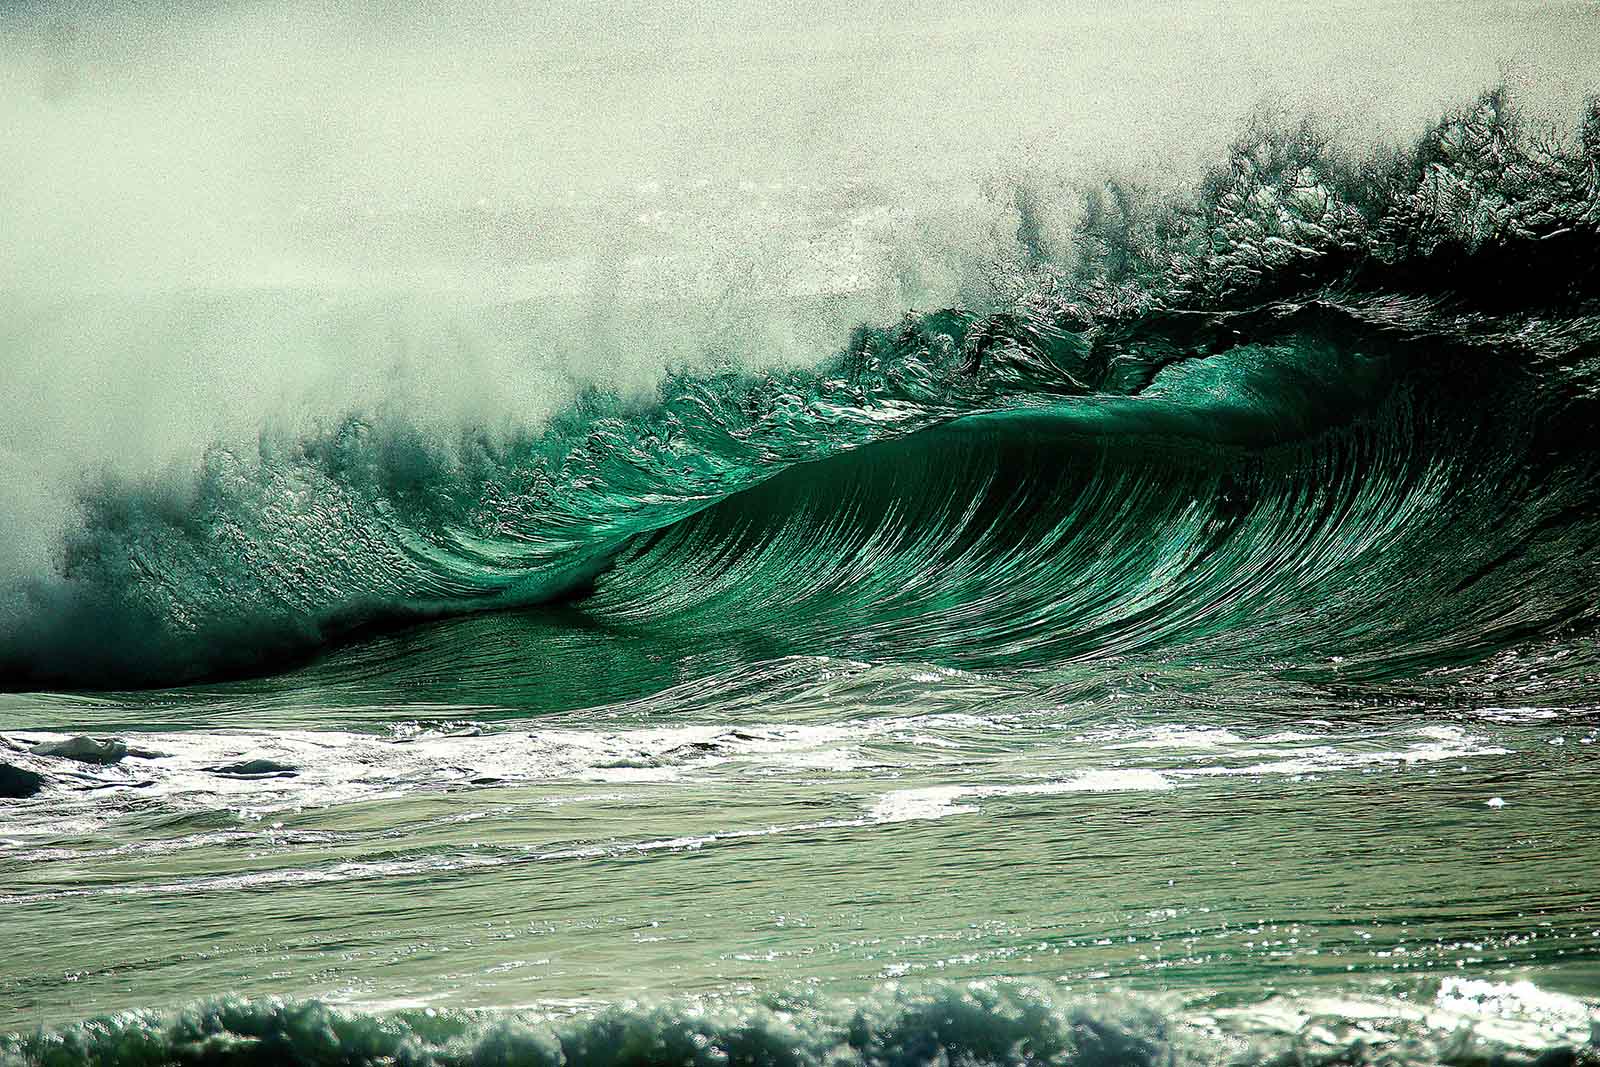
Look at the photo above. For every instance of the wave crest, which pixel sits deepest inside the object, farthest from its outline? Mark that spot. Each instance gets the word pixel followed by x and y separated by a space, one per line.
pixel 1297 294
pixel 985 1024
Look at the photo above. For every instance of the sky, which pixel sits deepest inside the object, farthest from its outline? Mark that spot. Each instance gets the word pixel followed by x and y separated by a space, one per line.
pixel 191 141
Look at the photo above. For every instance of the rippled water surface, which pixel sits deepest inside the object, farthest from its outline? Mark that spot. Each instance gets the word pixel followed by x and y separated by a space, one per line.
pixel 836 825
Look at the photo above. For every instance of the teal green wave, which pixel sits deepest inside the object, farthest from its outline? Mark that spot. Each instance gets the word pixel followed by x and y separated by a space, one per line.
pixel 1327 411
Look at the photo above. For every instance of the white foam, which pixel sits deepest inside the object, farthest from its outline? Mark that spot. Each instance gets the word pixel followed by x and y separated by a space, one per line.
pixel 938 802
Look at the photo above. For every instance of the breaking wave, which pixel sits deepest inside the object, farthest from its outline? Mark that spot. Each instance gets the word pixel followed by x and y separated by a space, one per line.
pixel 999 1023
pixel 1323 410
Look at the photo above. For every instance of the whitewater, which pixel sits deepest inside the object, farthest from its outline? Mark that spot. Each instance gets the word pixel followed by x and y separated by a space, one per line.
pixel 1132 607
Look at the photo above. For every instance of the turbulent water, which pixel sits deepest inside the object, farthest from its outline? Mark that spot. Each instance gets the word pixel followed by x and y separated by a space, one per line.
pixel 1191 659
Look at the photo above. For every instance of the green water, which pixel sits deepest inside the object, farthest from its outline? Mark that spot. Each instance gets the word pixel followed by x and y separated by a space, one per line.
pixel 836 826
pixel 1194 662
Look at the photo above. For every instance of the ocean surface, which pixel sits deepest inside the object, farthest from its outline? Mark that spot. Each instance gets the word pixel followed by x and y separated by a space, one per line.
pixel 1192 659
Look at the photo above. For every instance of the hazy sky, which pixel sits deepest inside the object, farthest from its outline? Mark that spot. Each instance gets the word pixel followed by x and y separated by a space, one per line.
pixel 184 138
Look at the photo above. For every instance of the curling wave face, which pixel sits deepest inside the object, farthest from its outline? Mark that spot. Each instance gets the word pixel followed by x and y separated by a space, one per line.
pixel 1327 410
